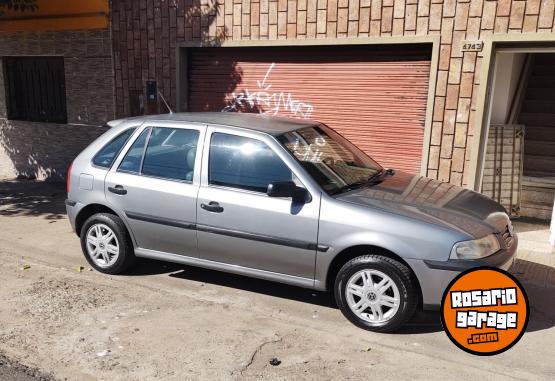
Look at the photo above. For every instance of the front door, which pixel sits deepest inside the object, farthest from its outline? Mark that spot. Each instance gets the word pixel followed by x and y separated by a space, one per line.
pixel 238 223
pixel 155 187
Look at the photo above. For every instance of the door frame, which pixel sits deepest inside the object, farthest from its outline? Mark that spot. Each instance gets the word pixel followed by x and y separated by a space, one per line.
pixel 516 43
pixel 236 232
pixel 182 57
pixel 307 181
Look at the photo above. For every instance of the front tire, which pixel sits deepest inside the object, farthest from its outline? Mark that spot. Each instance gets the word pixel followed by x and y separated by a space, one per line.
pixel 106 244
pixel 376 293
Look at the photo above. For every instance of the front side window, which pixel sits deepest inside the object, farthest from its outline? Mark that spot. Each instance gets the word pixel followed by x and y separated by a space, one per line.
pixel 171 153
pixel 332 161
pixel 105 157
pixel 244 163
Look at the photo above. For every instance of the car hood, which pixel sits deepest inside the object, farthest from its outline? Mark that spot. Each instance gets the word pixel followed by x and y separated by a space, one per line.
pixel 434 202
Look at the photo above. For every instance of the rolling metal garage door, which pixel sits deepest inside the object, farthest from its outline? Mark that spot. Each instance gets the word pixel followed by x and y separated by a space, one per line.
pixel 375 96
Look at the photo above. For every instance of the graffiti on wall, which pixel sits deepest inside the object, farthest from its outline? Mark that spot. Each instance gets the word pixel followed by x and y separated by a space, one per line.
pixel 265 101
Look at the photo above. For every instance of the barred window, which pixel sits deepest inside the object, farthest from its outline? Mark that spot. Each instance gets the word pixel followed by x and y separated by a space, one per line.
pixel 35 89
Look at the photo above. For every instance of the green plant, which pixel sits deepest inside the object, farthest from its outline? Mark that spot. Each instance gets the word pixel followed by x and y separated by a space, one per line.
pixel 18 5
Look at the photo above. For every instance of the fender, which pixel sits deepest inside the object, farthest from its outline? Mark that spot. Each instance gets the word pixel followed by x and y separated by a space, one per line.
pixel 388 242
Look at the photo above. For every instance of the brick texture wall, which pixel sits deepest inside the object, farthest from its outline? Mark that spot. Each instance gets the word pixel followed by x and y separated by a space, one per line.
pixel 44 150
pixel 146 33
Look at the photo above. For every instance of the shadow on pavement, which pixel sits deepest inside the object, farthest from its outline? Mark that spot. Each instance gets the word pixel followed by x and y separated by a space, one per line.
pixel 32 198
pixel 423 321
pixel 529 224
pixel 14 371
pixel 152 267
pixel 278 290
pixel 539 283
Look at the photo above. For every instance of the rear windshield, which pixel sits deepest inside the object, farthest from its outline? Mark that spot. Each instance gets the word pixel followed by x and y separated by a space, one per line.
pixel 106 156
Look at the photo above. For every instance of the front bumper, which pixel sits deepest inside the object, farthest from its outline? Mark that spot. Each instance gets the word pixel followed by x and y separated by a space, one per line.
pixel 435 276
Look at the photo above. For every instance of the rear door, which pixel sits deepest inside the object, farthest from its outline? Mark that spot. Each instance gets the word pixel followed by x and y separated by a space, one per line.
pixel 238 223
pixel 154 184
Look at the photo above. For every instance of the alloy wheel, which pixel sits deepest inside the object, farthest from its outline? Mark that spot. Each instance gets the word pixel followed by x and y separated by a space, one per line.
pixel 102 245
pixel 372 296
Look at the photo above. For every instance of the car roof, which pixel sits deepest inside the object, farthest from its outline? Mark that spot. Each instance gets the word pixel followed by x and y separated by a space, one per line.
pixel 272 125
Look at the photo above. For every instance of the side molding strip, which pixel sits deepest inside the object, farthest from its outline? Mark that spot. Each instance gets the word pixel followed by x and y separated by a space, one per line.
pixel 161 221
pixel 262 238
pixel 227 232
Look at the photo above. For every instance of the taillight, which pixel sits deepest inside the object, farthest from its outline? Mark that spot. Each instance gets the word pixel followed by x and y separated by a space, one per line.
pixel 68 180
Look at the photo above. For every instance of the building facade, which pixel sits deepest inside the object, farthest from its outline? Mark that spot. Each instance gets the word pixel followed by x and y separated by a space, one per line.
pixel 56 85
pixel 154 40
pixel 409 81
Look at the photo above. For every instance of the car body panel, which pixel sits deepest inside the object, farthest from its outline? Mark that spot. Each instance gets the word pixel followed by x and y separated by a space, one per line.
pixel 255 230
pixel 344 225
pixel 434 278
pixel 226 267
pixel 82 165
pixel 433 202
pixel 160 212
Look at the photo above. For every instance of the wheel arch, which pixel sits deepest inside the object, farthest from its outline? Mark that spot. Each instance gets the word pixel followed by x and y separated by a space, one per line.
pixel 90 210
pixel 358 250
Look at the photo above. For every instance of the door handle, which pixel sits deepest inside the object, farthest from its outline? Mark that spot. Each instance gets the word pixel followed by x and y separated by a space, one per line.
pixel 118 189
pixel 212 206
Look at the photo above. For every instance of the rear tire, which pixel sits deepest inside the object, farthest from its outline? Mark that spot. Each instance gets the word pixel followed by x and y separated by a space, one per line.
pixel 106 244
pixel 376 293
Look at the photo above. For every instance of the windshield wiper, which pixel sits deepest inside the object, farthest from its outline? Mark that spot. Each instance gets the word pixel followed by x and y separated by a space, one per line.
pixel 350 187
pixel 376 176
pixel 372 180
pixel 359 184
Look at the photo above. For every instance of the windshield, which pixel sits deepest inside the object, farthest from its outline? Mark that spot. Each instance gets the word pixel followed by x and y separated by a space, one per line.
pixel 332 161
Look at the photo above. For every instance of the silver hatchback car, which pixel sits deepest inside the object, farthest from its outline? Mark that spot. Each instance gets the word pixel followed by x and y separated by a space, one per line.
pixel 284 200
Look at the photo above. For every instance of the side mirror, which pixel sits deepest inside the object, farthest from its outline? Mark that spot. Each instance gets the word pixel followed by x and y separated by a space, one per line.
pixel 288 189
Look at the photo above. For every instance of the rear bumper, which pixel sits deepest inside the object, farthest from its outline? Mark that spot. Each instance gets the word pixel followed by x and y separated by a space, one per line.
pixel 435 276
pixel 72 209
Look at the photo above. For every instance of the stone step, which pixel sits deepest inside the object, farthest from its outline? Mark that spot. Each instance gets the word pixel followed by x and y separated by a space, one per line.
pixel 538 106
pixel 537 119
pixel 540 93
pixel 540 197
pixel 539 147
pixel 533 211
pixel 545 164
pixel 539 133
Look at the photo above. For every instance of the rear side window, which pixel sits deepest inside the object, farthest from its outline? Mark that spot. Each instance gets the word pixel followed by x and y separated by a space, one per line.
pixel 244 163
pixel 171 153
pixel 106 156
pixel 132 160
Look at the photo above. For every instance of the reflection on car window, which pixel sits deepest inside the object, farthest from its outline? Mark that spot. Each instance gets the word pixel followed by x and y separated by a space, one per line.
pixel 132 160
pixel 244 163
pixel 332 161
pixel 106 156
pixel 171 153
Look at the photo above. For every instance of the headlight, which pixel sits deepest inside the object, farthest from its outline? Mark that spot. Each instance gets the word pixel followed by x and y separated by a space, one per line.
pixel 475 249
